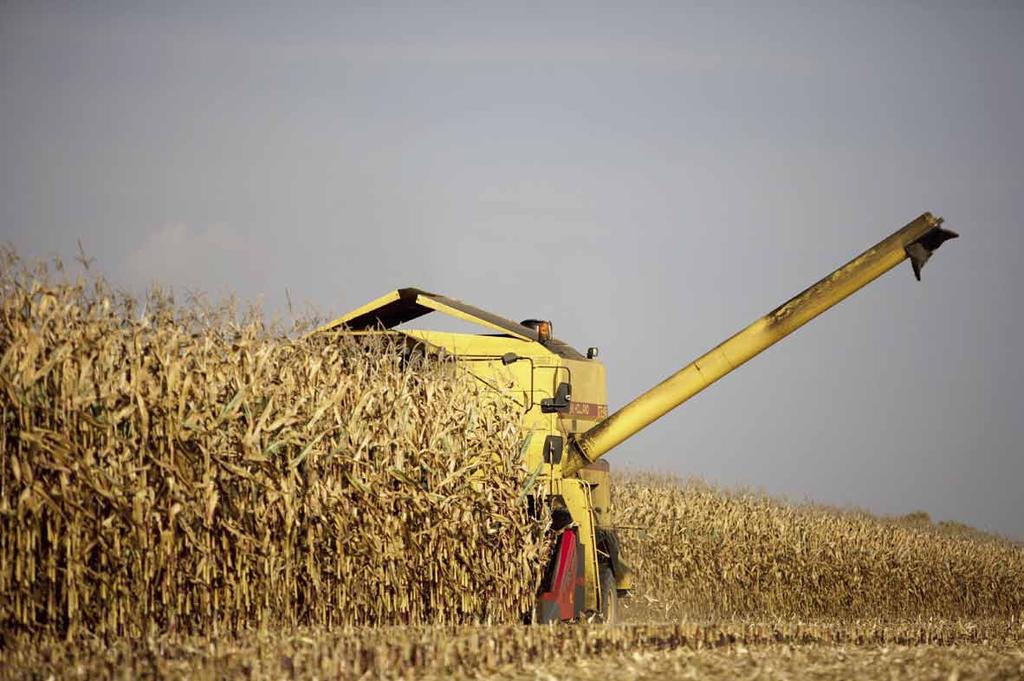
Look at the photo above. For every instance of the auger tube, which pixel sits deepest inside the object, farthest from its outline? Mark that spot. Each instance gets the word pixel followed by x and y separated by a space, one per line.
pixel 916 241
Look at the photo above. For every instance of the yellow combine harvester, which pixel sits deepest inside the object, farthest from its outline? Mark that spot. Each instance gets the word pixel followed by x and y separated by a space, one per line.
pixel 565 405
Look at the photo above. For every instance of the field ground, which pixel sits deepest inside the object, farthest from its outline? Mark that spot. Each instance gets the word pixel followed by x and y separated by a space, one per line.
pixel 992 649
pixel 804 662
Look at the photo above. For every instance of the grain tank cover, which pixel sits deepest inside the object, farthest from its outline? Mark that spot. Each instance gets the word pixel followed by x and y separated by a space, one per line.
pixel 406 304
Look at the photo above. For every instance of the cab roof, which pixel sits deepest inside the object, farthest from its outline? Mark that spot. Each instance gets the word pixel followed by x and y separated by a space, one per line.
pixel 405 304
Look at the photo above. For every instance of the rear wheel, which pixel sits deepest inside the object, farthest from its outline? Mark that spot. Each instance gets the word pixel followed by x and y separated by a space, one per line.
pixel 610 613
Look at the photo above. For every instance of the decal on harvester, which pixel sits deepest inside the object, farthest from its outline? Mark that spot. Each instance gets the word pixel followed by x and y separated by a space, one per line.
pixel 589 411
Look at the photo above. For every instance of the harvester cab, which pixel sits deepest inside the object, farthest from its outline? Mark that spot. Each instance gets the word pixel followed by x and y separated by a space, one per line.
pixel 564 404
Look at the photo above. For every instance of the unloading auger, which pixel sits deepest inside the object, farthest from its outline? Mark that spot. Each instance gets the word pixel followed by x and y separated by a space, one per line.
pixel 916 241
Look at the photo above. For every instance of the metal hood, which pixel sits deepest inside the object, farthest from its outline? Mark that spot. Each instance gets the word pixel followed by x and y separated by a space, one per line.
pixel 405 304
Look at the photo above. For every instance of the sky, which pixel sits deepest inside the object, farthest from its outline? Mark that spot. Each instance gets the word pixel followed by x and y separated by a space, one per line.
pixel 650 176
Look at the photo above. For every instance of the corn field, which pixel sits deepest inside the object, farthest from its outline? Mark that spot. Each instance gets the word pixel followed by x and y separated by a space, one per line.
pixel 706 552
pixel 184 491
pixel 158 472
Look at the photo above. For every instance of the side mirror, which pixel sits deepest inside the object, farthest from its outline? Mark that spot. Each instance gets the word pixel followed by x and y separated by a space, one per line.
pixel 558 403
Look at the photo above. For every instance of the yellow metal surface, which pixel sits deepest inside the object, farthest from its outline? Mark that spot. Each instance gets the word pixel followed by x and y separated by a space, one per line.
pixel 358 312
pixel 600 481
pixel 589 404
pixel 434 304
pixel 755 338
pixel 576 495
pixel 405 304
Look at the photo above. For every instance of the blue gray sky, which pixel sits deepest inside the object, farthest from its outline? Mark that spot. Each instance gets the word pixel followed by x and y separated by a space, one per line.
pixel 650 176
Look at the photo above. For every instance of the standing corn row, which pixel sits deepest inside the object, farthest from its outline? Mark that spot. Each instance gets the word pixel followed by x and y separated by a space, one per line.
pixel 159 474
pixel 708 552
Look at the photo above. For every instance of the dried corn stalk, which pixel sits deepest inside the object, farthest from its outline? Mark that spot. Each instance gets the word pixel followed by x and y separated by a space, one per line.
pixel 709 552
pixel 168 470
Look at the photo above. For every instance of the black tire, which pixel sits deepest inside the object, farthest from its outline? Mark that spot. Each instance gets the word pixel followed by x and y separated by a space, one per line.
pixel 610 610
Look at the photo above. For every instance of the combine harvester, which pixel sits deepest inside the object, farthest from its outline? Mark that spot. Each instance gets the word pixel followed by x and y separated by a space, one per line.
pixel 565 406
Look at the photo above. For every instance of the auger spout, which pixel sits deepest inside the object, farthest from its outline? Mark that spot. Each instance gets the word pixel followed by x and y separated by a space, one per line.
pixel 916 241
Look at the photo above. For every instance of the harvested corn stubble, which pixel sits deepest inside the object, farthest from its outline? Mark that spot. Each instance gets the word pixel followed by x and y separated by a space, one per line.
pixel 519 652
